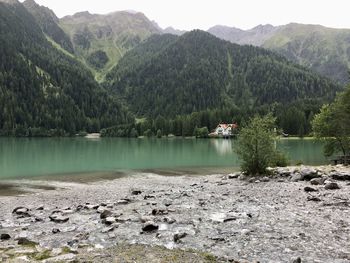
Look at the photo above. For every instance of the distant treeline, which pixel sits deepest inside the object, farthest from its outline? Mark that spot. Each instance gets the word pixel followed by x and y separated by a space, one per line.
pixel 293 119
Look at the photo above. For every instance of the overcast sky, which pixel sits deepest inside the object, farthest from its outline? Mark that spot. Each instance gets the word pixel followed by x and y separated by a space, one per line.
pixel 202 14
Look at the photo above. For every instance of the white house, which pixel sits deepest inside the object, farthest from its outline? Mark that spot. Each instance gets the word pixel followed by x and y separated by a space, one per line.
pixel 224 130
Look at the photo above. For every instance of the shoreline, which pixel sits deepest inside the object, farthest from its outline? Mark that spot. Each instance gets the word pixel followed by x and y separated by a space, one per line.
pixel 275 219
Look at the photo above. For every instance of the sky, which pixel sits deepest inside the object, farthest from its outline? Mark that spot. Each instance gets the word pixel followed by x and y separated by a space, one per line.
pixel 203 14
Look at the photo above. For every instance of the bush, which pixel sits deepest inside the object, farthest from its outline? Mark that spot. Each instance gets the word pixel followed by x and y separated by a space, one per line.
pixel 256 147
pixel 148 133
pixel 201 132
pixel 279 160
pixel 159 134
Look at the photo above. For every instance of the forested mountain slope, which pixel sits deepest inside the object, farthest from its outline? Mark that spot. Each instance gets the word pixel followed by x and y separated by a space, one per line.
pixel 168 75
pixel 42 90
pixel 48 22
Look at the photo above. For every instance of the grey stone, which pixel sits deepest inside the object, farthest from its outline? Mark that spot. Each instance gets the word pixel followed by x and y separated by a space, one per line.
pixel 317 181
pixel 58 217
pixel 5 236
pixel 310 189
pixel 177 237
pixel 109 220
pixel 136 192
pixel 331 186
pixel 150 226
pixel 309 173
pixel 340 176
pixel 55 231
pixel 105 214
pixel 21 211
pixel 26 242
pixel 233 176
pixel 296 177
pixel 313 198
pixel 265 179
pixel 242 177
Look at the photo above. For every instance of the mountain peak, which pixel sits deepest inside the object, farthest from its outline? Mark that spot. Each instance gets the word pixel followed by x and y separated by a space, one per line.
pixel 84 14
pixel 12 2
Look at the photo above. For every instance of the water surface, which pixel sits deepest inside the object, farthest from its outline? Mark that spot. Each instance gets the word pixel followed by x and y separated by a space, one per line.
pixel 26 158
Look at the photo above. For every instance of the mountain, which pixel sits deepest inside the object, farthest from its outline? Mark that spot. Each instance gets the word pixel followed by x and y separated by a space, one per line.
pixel 44 91
pixel 48 22
pixel 325 50
pixel 168 75
pixel 255 36
pixel 173 31
pixel 100 41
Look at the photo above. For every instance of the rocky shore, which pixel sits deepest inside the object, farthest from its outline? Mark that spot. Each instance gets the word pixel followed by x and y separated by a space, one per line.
pixel 298 214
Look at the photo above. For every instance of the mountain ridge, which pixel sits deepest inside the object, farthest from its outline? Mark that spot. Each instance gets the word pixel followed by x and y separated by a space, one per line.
pixel 323 49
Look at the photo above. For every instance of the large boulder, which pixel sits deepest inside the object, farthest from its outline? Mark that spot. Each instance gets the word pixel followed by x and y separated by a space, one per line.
pixel 309 174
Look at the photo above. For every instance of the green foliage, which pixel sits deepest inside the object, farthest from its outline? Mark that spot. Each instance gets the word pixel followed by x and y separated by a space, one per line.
pixel 332 125
pixel 255 146
pixel 148 133
pixel 98 59
pixel 201 132
pixel 133 133
pixel 159 133
pixel 44 92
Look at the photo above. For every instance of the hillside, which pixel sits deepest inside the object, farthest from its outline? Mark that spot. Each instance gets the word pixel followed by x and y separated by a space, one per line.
pixel 48 22
pixel 325 50
pixel 255 36
pixel 100 41
pixel 42 90
pixel 168 76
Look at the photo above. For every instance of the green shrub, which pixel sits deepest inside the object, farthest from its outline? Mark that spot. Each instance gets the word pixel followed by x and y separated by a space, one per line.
pixel 256 146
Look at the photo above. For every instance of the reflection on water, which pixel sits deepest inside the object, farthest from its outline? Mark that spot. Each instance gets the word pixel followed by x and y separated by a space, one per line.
pixel 222 146
pixel 21 157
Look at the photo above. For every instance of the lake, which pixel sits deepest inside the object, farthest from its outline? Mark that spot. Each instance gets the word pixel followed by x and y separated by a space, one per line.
pixel 45 157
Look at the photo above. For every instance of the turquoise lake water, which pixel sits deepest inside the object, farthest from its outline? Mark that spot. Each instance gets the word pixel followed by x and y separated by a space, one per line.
pixel 24 158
